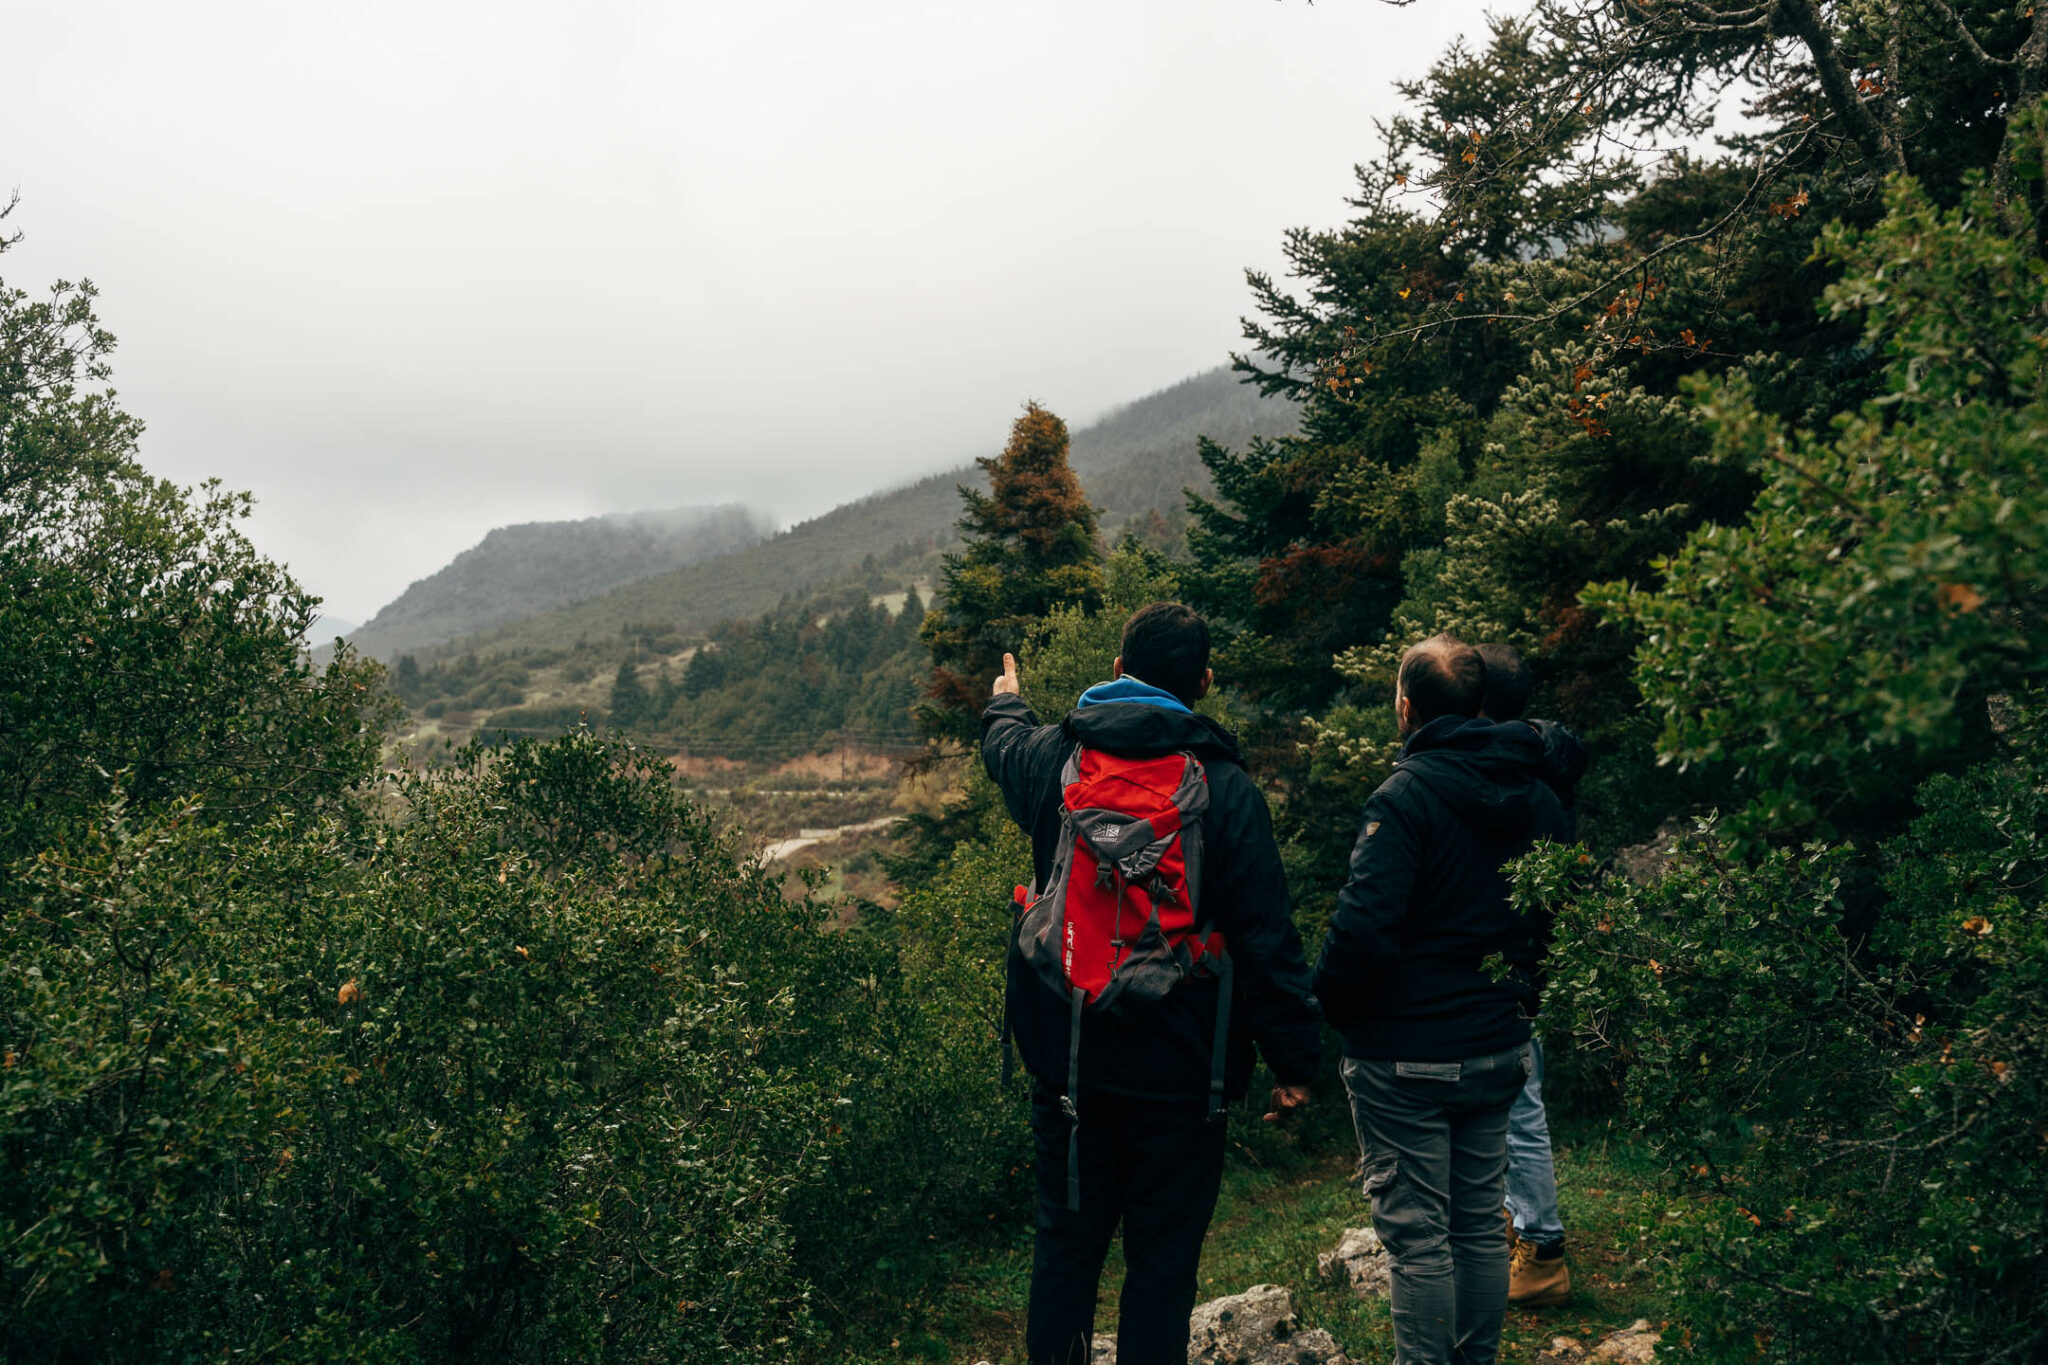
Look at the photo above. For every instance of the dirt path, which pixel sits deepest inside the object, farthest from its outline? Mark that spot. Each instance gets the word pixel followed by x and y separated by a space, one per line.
pixel 783 848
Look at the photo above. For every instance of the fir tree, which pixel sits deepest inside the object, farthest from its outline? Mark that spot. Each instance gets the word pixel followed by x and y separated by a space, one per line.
pixel 910 621
pixel 1030 546
pixel 629 701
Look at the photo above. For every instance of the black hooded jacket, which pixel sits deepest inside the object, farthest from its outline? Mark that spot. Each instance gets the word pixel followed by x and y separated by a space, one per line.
pixel 1564 763
pixel 1405 971
pixel 1161 1049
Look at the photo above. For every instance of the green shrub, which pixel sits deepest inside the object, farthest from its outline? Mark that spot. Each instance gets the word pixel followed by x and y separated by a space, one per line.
pixel 1853 1132
pixel 935 1144
pixel 528 1071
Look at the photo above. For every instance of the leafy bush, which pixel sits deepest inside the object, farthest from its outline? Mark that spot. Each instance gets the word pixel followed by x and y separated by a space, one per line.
pixel 1854 1133
pixel 525 1072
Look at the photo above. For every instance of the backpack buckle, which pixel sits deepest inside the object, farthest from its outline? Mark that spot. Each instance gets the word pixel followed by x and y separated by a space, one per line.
pixel 1067 1108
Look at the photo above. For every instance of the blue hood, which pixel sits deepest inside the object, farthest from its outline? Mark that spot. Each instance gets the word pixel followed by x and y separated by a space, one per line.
pixel 1129 689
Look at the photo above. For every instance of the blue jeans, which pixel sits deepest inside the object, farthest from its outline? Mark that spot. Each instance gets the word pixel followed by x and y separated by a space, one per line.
pixel 1433 1136
pixel 1532 1179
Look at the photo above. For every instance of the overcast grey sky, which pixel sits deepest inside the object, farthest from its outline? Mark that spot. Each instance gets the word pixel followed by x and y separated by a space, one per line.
pixel 410 270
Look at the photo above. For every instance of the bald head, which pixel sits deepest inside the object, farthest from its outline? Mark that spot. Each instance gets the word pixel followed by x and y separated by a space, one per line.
pixel 1441 676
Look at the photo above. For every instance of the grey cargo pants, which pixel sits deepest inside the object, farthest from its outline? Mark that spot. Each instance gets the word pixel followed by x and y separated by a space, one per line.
pixel 1433 1141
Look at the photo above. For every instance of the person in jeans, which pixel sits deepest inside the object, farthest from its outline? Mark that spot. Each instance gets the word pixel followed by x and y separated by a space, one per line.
pixel 1538 1274
pixel 1430 974
pixel 1148 1155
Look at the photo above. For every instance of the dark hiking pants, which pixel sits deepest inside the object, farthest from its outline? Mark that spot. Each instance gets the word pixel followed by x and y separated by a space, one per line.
pixel 1153 1167
pixel 1433 1137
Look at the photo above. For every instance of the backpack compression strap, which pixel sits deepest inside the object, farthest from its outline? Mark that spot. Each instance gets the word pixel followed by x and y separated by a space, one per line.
pixel 1219 1055
pixel 1073 1114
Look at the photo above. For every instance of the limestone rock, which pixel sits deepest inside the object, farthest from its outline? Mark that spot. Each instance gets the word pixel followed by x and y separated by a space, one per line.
pixel 1635 1344
pixel 1257 1327
pixel 1101 1351
pixel 1359 1261
pixel 1649 862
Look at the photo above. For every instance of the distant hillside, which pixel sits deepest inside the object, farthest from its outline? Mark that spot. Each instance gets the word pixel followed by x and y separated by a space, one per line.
pixel 1140 456
pixel 516 571
pixel 1137 458
pixel 900 530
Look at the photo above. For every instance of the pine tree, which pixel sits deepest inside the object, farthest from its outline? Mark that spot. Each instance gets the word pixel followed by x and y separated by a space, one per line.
pixel 910 621
pixel 1030 546
pixel 629 701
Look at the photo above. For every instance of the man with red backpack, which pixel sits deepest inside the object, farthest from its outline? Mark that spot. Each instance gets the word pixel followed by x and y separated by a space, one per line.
pixel 1155 946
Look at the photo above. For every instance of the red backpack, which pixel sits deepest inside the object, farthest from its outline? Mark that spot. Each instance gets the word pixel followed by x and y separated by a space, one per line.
pixel 1118 917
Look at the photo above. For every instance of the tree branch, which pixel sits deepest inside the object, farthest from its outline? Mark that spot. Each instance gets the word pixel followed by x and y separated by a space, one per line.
pixel 1804 22
pixel 1970 39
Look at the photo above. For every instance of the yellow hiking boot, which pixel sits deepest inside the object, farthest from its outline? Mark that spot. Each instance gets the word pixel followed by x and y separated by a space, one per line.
pixel 1537 1274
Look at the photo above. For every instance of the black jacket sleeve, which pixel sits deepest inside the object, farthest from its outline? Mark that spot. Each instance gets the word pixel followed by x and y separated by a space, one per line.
pixel 1022 757
pixel 1363 944
pixel 1246 888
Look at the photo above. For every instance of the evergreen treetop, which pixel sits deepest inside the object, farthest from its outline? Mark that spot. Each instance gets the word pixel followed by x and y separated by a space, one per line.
pixel 1030 546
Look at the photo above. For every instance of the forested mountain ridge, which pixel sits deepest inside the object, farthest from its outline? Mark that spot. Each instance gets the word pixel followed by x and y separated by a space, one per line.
pixel 515 571
pixel 1133 461
pixel 1139 457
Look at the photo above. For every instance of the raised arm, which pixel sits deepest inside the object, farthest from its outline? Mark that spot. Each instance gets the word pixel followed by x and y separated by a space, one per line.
pixel 1021 755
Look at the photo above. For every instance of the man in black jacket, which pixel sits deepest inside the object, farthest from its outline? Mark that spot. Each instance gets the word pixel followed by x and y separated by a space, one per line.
pixel 1430 974
pixel 1149 1156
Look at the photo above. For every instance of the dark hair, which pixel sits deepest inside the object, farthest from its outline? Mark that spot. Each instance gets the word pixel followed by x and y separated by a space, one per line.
pixel 1167 645
pixel 1508 682
pixel 1442 677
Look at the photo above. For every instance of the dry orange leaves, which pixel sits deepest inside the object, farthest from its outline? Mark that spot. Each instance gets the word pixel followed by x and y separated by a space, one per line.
pixel 1959 597
pixel 1792 207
